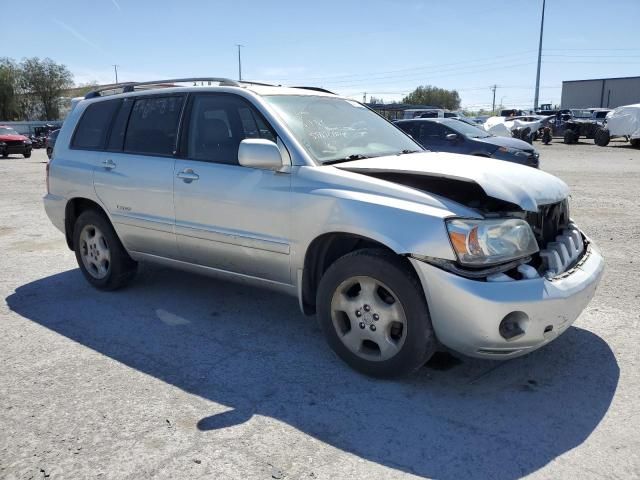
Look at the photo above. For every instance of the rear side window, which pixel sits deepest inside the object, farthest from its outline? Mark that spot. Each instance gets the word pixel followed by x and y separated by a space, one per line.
pixel 93 127
pixel 153 125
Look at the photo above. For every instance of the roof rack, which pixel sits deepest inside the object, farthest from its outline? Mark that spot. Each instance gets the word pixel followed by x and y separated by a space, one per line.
pixel 168 83
pixel 131 86
pixel 316 89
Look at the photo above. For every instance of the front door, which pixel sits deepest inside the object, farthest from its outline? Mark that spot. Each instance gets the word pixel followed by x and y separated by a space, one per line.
pixel 230 217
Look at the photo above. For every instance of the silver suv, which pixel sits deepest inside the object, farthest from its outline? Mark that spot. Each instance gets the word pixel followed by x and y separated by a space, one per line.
pixel 397 251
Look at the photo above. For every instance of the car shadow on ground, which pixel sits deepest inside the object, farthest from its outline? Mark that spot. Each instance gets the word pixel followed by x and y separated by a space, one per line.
pixel 253 352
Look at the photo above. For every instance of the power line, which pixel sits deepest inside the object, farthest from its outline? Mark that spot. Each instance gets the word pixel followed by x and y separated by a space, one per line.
pixel 328 79
pixel 431 76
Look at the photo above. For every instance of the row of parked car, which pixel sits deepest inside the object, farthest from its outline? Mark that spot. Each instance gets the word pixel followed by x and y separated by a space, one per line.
pixel 599 124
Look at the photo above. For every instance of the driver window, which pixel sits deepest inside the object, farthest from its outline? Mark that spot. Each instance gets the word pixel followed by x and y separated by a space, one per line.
pixel 217 125
pixel 430 131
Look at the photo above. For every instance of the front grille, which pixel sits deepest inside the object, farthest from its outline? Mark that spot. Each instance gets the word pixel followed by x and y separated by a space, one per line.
pixel 549 221
pixel 14 143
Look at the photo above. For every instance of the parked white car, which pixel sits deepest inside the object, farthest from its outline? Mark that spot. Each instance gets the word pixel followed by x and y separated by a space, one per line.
pixel 621 122
pixel 397 250
pixel 504 126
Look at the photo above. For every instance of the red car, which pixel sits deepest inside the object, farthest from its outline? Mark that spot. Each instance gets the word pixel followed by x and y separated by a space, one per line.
pixel 11 142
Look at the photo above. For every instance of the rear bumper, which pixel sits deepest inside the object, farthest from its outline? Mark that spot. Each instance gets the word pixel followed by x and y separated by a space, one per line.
pixel 54 206
pixel 466 314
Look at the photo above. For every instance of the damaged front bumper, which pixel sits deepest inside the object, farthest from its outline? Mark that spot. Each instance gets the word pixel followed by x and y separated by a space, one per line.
pixel 505 319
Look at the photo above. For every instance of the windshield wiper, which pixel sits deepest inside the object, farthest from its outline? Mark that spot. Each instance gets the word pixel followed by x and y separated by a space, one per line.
pixel 404 152
pixel 348 158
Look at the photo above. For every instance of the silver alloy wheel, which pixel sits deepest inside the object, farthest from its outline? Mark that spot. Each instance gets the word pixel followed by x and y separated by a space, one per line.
pixel 368 318
pixel 94 251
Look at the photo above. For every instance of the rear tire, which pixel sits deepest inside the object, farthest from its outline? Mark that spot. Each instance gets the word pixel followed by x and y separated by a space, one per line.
pixel 100 255
pixel 374 315
pixel 570 137
pixel 635 142
pixel 602 137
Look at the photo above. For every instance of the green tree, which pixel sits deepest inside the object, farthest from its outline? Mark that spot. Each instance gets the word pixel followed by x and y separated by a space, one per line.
pixel 9 78
pixel 43 81
pixel 429 95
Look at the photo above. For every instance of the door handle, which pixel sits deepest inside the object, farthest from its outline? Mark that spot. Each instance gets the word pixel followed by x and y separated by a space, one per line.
pixel 109 164
pixel 188 175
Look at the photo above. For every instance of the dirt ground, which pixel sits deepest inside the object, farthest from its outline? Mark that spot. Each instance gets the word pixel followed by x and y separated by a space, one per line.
pixel 180 376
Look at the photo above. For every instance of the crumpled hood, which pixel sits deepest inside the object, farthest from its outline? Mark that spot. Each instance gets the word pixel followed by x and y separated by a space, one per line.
pixel 524 186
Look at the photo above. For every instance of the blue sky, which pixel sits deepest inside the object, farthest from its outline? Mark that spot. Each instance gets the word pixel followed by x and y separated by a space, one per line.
pixel 382 47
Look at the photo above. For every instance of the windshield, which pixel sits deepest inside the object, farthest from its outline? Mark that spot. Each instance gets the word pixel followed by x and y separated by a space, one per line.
pixel 581 113
pixel 8 131
pixel 333 128
pixel 466 129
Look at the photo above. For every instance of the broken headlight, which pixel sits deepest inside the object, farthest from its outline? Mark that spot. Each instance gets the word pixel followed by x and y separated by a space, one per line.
pixel 488 242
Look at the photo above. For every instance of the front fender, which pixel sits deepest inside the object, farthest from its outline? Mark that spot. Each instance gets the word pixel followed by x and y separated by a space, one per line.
pixel 404 219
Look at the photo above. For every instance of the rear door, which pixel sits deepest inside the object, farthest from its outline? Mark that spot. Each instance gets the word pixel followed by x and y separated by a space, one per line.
pixel 230 217
pixel 135 177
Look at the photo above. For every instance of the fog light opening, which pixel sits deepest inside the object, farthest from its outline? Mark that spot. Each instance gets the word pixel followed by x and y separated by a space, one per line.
pixel 513 325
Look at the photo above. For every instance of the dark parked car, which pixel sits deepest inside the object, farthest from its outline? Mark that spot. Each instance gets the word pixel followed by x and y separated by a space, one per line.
pixel 452 135
pixel 51 141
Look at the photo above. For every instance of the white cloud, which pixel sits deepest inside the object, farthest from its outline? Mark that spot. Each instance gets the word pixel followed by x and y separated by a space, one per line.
pixel 76 34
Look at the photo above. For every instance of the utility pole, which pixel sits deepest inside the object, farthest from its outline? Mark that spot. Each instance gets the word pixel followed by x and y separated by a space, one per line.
pixel 535 101
pixel 364 97
pixel 115 69
pixel 493 106
pixel 239 62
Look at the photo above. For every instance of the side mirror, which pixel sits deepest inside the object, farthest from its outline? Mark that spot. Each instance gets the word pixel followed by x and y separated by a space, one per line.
pixel 259 153
pixel 452 137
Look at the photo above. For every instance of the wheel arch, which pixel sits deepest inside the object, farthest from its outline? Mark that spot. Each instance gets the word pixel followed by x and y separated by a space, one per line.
pixel 322 252
pixel 73 209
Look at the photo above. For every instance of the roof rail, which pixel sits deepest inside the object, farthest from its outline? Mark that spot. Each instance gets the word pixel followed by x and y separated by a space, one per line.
pixel 131 86
pixel 316 89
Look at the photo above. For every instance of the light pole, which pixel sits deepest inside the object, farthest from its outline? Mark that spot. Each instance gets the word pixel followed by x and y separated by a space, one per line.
pixel 115 69
pixel 493 106
pixel 239 62
pixel 535 101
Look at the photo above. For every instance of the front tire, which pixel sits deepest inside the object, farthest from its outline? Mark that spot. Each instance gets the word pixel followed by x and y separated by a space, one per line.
pixel 602 137
pixel 100 255
pixel 374 315
pixel 27 155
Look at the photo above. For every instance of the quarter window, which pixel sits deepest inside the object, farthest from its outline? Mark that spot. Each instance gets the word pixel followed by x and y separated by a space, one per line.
pixel 94 125
pixel 153 125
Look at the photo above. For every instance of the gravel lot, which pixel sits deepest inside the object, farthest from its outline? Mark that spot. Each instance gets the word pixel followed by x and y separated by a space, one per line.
pixel 180 376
